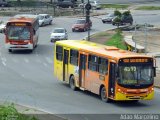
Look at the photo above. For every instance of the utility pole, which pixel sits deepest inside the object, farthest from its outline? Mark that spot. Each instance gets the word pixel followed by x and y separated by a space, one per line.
pixel 145 43
pixel 88 7
pixel 134 38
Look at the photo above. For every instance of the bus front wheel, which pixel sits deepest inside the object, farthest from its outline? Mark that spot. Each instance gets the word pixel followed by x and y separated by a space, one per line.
pixel 72 83
pixel 103 95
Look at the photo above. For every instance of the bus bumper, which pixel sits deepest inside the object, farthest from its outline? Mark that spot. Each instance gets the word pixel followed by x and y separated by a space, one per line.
pixel 121 96
pixel 19 47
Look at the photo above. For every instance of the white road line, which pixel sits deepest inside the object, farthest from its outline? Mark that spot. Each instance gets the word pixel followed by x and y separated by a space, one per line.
pixel 3 61
pixel 49 60
pixel 45 64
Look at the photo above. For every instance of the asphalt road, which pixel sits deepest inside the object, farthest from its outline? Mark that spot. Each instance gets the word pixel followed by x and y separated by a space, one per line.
pixel 27 78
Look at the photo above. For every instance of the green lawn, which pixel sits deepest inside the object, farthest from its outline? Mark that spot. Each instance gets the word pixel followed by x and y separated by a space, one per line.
pixel 117 41
pixel 148 8
pixel 116 6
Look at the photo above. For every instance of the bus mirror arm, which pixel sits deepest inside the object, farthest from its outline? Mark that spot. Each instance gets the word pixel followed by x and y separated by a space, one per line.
pixel 34 32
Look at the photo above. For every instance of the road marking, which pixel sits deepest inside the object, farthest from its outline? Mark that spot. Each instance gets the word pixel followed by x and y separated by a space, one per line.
pixel 3 61
pixel 45 64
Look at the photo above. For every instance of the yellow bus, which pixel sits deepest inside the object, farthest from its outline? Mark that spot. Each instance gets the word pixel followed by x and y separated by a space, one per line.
pixel 112 73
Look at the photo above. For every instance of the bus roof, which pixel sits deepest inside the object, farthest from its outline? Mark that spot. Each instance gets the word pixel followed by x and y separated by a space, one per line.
pixel 23 18
pixel 26 16
pixel 99 49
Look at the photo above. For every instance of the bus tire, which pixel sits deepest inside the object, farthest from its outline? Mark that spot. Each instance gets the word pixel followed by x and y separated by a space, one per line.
pixel 72 83
pixel 103 95
pixel 9 50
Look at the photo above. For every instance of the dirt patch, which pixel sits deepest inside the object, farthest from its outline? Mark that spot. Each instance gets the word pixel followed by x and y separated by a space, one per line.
pixel 102 37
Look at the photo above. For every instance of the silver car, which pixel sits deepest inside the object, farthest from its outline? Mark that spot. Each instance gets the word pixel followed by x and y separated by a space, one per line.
pixel 95 4
pixel 58 34
pixel 45 19
pixel 108 18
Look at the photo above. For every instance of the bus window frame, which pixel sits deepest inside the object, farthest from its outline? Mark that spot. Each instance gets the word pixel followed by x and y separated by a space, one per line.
pixel 59 53
pixel 76 57
pixel 90 63
pixel 103 65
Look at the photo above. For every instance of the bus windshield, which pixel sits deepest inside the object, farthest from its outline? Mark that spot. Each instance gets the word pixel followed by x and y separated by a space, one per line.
pixel 136 75
pixel 18 33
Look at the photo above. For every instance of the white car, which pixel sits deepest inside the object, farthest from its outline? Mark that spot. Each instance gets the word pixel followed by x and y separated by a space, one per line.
pixel 94 3
pixel 58 34
pixel 108 18
pixel 2 27
pixel 45 19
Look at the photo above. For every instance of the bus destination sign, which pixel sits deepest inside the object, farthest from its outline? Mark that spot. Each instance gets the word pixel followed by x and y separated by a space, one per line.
pixel 135 60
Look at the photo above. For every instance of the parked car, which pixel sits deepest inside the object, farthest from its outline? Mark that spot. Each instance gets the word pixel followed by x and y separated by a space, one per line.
pixel 65 3
pixel 95 4
pixel 58 34
pixel 124 19
pixel 4 3
pixel 45 19
pixel 81 25
pixel 108 18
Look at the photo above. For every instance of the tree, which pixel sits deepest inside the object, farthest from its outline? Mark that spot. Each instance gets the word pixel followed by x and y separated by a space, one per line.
pixel 117 13
pixel 126 13
pixel 117 19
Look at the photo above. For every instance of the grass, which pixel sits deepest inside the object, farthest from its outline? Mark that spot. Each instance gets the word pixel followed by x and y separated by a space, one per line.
pixel 148 8
pixel 116 6
pixel 117 41
pixel 9 112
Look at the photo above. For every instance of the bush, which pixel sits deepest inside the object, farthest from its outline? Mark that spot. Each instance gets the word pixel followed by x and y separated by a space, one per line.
pixel 117 13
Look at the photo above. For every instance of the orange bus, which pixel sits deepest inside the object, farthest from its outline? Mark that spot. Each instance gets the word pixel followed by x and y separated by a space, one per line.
pixel 22 32
pixel 112 73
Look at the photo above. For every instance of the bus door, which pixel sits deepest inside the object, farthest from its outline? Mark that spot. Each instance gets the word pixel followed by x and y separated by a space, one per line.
pixel 112 78
pixel 82 69
pixel 65 64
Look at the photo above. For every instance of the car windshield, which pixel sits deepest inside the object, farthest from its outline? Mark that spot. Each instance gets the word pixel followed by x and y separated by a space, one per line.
pixel 41 17
pixel 136 75
pixel 80 21
pixel 111 15
pixel 58 31
pixel 18 33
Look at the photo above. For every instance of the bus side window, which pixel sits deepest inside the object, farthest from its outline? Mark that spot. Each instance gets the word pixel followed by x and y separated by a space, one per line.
pixel 74 57
pixel 59 53
pixel 103 66
pixel 93 63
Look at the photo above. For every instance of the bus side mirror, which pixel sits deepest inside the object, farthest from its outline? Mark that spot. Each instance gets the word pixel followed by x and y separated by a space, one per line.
pixel 154 71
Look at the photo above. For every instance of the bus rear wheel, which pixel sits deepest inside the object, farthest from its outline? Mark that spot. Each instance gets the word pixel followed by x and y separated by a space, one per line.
pixel 72 83
pixel 103 95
